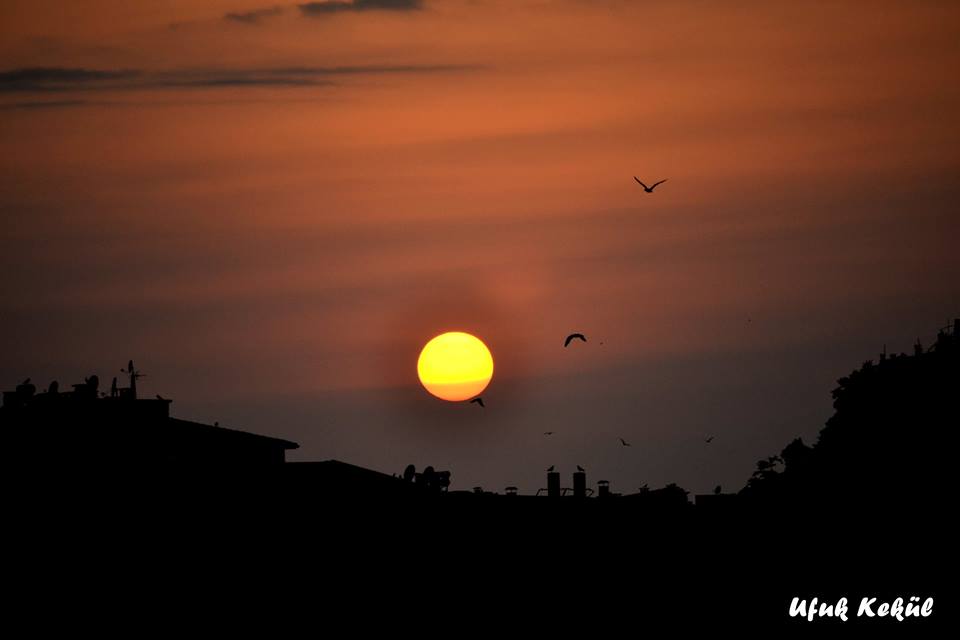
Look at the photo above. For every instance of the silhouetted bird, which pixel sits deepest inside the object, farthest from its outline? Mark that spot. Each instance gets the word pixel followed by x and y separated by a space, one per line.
pixel 160 397
pixel 54 387
pixel 579 468
pixel 716 490
pixel 479 401
pixel 548 433
pixel 217 424
pixel 708 440
pixel 624 442
pixel 26 382
pixel 572 337
pixel 651 187
pixel 550 468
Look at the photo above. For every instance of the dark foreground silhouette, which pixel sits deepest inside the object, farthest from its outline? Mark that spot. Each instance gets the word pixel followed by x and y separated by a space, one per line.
pixel 110 482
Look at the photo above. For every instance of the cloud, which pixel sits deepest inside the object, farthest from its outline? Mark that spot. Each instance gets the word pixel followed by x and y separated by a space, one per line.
pixel 46 104
pixel 59 78
pixel 56 79
pixel 253 17
pixel 318 9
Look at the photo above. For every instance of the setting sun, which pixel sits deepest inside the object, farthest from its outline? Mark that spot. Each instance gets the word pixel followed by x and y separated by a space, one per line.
pixel 455 366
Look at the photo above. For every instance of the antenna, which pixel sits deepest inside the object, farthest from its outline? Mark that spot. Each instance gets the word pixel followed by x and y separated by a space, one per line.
pixel 134 375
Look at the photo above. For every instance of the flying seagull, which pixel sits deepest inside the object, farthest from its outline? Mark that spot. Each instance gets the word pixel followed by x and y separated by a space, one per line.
pixel 550 468
pixel 572 337
pixel 624 442
pixel 708 440
pixel 548 433
pixel 579 468
pixel 651 187
pixel 479 401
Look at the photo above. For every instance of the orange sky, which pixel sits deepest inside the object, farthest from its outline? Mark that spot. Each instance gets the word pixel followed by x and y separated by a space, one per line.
pixel 273 213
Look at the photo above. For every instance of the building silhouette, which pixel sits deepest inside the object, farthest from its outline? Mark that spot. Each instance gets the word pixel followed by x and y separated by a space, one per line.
pixel 84 429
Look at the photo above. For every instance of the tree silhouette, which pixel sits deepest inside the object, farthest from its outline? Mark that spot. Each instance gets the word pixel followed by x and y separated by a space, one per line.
pixel 890 439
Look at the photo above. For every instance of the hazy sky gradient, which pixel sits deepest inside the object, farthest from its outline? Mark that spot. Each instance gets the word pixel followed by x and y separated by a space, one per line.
pixel 272 215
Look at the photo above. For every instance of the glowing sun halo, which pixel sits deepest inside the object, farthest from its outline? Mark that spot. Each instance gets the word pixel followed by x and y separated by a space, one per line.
pixel 455 366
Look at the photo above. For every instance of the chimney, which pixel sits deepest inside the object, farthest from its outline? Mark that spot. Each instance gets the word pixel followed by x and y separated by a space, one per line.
pixel 580 484
pixel 553 484
pixel 603 489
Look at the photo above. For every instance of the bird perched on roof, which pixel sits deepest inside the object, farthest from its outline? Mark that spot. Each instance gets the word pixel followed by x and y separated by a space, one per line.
pixel 717 490
pixel 478 401
pixel 572 337
pixel 579 468
pixel 550 468
pixel 624 442
pixel 651 187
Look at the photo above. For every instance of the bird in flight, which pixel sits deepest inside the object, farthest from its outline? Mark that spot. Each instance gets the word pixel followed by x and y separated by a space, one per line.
pixel 624 442
pixel 479 401
pixel 651 187
pixel 548 433
pixel 572 337
pixel 550 468
pixel 708 440
pixel 579 468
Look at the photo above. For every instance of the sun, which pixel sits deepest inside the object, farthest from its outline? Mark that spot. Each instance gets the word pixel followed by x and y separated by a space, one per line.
pixel 455 366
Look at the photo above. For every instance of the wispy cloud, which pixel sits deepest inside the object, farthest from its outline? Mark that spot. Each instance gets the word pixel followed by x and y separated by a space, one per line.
pixel 319 9
pixel 44 104
pixel 57 79
pixel 253 17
